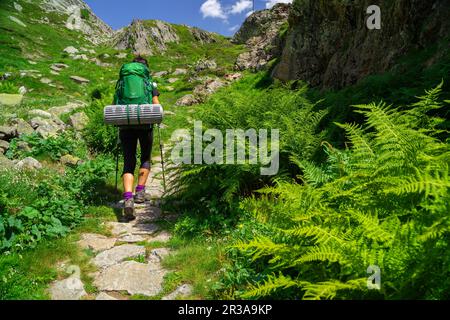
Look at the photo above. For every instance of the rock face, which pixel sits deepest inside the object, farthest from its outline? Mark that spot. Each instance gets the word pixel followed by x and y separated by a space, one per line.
pixel 96 242
pixel 145 37
pixel 202 36
pixel 81 18
pixel 261 35
pixel 329 44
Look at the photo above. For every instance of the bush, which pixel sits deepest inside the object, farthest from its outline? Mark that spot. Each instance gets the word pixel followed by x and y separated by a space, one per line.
pixel 383 201
pixel 36 206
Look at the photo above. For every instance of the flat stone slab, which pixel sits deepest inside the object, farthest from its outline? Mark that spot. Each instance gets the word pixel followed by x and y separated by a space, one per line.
pixel 104 296
pixel 96 242
pixel 117 254
pixel 163 236
pixel 133 277
pixel 122 229
pixel 182 291
pixel 68 289
pixel 131 238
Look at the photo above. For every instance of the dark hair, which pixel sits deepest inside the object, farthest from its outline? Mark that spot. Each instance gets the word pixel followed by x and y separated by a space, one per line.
pixel 141 59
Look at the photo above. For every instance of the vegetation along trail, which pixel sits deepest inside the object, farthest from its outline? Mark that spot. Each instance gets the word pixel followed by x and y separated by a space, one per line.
pixel 363 176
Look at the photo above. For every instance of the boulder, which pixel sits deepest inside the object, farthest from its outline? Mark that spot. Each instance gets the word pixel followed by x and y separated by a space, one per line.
pixel 70 161
pixel 4 146
pixel 104 296
pixel 160 74
pixel 68 108
pixel 79 121
pixel 80 57
pixel 39 113
pixel 121 55
pixel 28 163
pixel 22 127
pixel 205 64
pixel 8 132
pixel 23 90
pixel 187 100
pixel 5 162
pixel 10 99
pixel 46 80
pixel 208 88
pixel 68 289
pixel 46 128
pixel 23 146
pixel 233 76
pixel 179 72
pixel 71 50
pixel 79 80
pixel 172 80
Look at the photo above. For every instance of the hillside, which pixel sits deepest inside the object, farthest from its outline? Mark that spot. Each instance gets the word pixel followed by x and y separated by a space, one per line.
pixel 358 126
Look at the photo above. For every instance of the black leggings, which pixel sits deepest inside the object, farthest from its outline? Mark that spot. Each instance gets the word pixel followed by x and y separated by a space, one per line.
pixel 129 139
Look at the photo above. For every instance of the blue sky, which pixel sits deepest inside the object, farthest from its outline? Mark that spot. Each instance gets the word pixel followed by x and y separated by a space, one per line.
pixel 221 16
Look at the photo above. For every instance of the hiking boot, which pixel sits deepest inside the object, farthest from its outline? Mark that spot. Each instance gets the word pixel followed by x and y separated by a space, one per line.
pixel 128 210
pixel 139 197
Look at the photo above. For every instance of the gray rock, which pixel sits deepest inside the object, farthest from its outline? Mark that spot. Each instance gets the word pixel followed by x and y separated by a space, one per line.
pixel 5 162
pixel 160 74
pixel 96 242
pixel 28 163
pixel 157 255
pixel 71 50
pixel 68 108
pixel 46 80
pixel 10 99
pixel 59 66
pixel 69 289
pixel 79 121
pixel 173 80
pixel 121 55
pixel 133 277
pixel 80 57
pixel 232 77
pixel 39 113
pixel 46 128
pixel 117 254
pixel 70 161
pixel 208 88
pixel 187 100
pixel 182 291
pixel 179 72
pixel 203 36
pixel 4 146
pixel 22 90
pixel 205 64
pixel 104 296
pixel 131 238
pixel 79 80
pixel 18 7
pixel 8 132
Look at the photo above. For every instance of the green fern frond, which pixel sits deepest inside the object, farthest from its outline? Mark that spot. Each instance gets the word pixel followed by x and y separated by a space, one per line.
pixel 329 289
pixel 322 253
pixel 271 285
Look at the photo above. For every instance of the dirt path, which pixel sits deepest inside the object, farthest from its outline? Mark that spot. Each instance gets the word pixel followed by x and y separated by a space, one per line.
pixel 129 262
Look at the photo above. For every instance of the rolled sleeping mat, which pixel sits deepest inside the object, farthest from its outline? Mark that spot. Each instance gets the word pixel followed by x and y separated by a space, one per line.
pixel 121 115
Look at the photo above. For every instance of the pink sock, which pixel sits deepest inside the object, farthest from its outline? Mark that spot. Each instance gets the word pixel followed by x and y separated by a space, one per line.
pixel 140 188
pixel 128 195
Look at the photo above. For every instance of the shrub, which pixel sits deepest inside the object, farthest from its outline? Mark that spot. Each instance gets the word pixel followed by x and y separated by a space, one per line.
pixel 383 201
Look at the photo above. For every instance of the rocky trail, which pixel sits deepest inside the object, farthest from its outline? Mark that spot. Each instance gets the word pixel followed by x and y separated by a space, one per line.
pixel 125 264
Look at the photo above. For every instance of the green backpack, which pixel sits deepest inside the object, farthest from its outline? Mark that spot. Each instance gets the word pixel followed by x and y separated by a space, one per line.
pixel 135 85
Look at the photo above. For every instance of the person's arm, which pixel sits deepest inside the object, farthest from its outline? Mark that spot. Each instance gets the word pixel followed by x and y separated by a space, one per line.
pixel 155 95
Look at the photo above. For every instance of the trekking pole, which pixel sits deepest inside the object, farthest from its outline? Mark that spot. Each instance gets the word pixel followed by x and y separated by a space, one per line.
pixel 162 158
pixel 117 160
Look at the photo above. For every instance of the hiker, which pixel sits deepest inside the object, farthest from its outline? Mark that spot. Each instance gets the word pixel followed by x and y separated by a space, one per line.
pixel 135 87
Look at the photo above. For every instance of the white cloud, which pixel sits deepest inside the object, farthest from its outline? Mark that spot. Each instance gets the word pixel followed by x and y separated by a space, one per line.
pixel 271 3
pixel 249 14
pixel 212 9
pixel 241 6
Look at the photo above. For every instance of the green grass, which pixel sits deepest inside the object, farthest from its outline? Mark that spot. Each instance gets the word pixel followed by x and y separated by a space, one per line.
pixel 194 262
